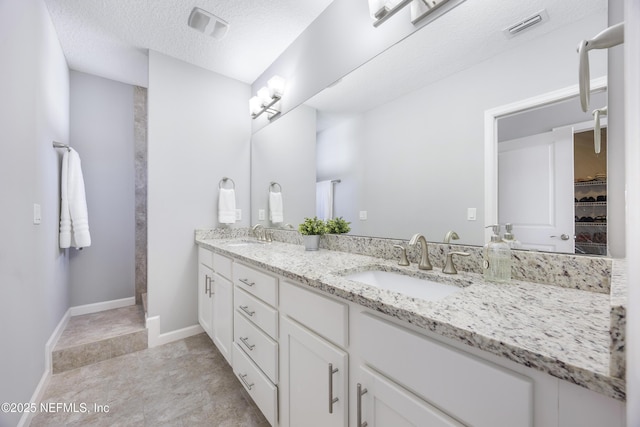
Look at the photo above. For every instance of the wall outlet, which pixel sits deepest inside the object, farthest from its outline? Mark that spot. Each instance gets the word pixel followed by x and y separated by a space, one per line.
pixel 471 214
pixel 238 214
pixel 363 215
pixel 37 214
pixel 260 214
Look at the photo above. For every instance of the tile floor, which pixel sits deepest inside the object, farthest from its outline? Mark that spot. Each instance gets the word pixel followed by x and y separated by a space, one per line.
pixel 184 383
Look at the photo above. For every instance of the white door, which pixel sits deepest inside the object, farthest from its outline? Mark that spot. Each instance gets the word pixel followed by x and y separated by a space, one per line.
pixel 535 189
pixel 313 379
pixel 205 295
pixel 384 403
pixel 223 315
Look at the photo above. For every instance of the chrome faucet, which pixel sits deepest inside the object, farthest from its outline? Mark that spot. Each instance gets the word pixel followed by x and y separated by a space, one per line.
pixel 450 235
pixel 424 264
pixel 259 232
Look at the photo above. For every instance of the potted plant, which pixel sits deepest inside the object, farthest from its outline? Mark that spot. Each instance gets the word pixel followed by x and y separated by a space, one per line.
pixel 338 226
pixel 311 230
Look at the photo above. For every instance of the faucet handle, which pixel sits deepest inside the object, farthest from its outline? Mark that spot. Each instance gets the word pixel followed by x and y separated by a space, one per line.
pixel 403 255
pixel 449 266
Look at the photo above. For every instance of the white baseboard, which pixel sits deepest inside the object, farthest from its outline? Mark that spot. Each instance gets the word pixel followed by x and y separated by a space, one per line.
pixel 79 310
pixel 102 306
pixel 156 338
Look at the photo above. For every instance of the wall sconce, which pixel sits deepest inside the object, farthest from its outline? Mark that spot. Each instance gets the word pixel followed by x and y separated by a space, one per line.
pixel 267 98
pixel 381 10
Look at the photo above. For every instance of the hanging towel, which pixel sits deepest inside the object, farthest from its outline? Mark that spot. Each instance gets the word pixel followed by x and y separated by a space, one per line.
pixel 276 211
pixel 227 206
pixel 324 200
pixel 74 218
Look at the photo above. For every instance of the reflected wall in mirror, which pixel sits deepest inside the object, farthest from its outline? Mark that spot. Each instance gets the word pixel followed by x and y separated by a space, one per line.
pixel 405 132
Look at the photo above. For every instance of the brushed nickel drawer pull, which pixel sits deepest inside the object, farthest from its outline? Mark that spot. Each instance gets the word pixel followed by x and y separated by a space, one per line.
pixel 245 342
pixel 247 282
pixel 332 399
pixel 360 392
pixel 242 378
pixel 245 308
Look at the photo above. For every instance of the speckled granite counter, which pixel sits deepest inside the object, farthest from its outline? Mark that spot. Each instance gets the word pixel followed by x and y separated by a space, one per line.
pixel 561 331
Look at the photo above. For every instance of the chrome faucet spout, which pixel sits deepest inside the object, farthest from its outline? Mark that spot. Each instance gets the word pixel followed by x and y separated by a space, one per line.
pixel 424 263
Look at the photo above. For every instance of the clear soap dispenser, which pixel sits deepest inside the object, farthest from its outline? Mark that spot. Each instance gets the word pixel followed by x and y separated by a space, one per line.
pixel 496 264
pixel 509 238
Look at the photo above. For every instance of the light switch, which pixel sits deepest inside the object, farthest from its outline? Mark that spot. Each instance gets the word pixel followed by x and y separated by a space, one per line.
pixel 260 214
pixel 238 214
pixel 363 215
pixel 471 214
pixel 37 214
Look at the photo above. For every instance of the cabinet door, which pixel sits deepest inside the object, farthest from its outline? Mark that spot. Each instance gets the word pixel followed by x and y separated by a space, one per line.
pixel 384 403
pixel 205 295
pixel 313 379
pixel 223 315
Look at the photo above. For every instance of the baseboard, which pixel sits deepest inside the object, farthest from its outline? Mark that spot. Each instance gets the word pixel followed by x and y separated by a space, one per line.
pixel 102 306
pixel 156 338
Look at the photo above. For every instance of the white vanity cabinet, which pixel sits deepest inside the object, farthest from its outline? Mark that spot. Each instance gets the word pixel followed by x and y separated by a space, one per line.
pixel 449 386
pixel 215 299
pixel 255 357
pixel 313 369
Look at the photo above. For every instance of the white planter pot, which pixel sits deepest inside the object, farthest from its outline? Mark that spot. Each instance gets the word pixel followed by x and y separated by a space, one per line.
pixel 311 243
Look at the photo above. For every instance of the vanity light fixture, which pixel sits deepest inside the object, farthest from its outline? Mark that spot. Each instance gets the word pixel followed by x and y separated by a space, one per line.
pixel 267 98
pixel 381 10
pixel 208 23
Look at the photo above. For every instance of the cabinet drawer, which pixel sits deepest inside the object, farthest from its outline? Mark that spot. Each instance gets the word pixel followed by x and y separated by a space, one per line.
pixel 222 265
pixel 326 317
pixel 257 345
pixel 205 256
pixel 261 390
pixel 259 313
pixel 256 283
pixel 469 389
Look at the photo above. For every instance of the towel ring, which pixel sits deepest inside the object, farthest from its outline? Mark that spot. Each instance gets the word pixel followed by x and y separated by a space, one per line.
pixel 225 179
pixel 273 184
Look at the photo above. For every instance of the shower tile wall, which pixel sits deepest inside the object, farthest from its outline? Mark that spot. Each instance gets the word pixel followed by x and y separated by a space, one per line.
pixel 140 129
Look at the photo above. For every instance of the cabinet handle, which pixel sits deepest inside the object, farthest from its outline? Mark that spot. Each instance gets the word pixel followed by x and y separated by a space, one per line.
pixel 332 399
pixel 242 378
pixel 211 282
pixel 245 342
pixel 361 391
pixel 245 308
pixel 247 282
pixel 207 284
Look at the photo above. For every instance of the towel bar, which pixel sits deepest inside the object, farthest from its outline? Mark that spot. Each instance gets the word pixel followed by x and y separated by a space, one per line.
pixel 61 145
pixel 225 179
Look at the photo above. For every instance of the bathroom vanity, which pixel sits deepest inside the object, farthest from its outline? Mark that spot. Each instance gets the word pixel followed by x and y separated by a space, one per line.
pixel 315 348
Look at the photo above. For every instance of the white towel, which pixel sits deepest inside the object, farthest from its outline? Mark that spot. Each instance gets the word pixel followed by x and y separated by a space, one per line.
pixel 74 218
pixel 324 200
pixel 276 211
pixel 227 206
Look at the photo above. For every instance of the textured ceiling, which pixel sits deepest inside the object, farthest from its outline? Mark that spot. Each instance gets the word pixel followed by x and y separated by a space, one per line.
pixel 111 38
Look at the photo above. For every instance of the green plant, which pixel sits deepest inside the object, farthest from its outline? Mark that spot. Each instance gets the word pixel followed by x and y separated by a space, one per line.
pixel 312 226
pixel 338 226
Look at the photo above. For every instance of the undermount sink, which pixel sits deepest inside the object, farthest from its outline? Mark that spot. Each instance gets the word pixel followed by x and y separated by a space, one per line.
pixel 412 286
pixel 245 242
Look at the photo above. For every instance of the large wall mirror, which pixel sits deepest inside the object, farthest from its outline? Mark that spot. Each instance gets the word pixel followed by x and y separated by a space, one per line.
pixel 402 137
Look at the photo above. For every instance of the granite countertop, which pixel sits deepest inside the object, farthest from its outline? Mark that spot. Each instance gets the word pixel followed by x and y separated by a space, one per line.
pixel 561 331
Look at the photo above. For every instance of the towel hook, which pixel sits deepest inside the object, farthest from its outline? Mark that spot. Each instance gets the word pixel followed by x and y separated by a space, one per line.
pixel 273 184
pixel 224 180
pixel 61 145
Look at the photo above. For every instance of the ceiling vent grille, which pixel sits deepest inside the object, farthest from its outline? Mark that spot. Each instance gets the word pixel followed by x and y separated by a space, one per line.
pixel 525 24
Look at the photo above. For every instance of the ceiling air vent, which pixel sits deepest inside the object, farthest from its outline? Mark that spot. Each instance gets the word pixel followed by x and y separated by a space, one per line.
pixel 525 24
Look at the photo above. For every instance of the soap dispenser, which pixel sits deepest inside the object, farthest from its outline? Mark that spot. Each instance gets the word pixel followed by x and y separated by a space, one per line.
pixel 510 239
pixel 496 265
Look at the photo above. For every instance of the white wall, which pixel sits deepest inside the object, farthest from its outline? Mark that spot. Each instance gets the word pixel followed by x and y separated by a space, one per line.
pixel 101 115
pixel 199 131
pixel 34 111
pixel 284 152
pixel 423 152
